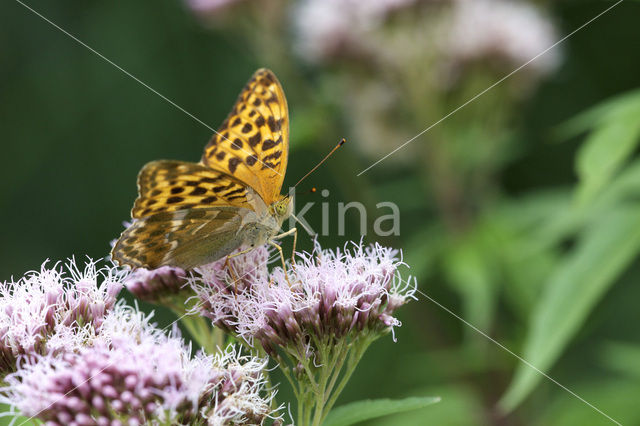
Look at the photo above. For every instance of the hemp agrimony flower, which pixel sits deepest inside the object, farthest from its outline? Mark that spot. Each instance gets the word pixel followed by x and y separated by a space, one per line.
pixel 316 320
pixel 48 311
pixel 135 374
pixel 163 286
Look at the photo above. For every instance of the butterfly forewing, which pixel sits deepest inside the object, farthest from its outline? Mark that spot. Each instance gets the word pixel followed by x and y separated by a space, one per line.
pixel 252 143
pixel 166 186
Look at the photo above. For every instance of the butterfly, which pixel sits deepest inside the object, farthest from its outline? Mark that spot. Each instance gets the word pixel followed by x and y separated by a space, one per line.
pixel 189 214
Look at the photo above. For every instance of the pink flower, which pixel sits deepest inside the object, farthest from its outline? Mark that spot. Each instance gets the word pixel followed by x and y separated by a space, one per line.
pixel 46 311
pixel 329 295
pixel 159 286
pixel 134 373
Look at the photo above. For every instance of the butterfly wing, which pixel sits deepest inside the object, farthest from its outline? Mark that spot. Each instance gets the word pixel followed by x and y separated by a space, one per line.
pixel 182 238
pixel 252 144
pixel 168 186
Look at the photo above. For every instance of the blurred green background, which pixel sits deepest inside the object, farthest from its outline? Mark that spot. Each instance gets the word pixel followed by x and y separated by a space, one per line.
pixel 520 213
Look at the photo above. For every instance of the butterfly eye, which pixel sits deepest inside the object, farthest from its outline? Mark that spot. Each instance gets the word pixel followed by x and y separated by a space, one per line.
pixel 281 209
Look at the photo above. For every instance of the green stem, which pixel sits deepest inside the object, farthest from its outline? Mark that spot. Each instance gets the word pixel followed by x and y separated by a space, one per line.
pixel 336 368
pixel 354 359
pixel 325 372
pixel 302 358
pixel 318 388
pixel 211 339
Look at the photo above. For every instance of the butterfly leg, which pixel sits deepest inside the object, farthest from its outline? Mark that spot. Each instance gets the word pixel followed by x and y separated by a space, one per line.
pixel 284 266
pixel 232 271
pixel 294 232
pixel 229 267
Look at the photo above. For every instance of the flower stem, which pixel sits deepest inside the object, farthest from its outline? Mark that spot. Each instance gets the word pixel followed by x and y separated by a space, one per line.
pixel 319 387
pixel 354 359
pixel 211 339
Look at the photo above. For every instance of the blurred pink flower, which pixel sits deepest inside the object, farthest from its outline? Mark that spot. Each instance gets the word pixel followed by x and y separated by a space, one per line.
pixel 512 31
pixel 331 28
pixel 211 6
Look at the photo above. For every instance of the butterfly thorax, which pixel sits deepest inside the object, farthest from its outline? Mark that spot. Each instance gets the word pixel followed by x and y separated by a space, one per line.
pixel 263 229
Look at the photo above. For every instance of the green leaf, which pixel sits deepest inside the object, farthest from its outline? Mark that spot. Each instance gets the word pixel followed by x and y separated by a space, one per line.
pixel 604 251
pixel 603 112
pixel 616 397
pixel 471 270
pixel 622 358
pixel 604 152
pixel 461 405
pixel 616 134
pixel 7 417
pixel 370 409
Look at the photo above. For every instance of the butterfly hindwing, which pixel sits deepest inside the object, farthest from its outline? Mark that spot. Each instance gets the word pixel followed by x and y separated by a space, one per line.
pixel 253 142
pixel 167 186
pixel 184 238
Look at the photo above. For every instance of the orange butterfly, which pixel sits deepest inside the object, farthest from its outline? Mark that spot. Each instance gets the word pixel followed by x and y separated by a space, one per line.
pixel 190 214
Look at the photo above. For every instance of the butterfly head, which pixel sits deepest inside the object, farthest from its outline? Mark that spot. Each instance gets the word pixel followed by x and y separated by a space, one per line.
pixel 282 208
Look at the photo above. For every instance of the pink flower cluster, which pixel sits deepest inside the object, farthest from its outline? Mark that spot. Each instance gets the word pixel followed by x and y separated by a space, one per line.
pixel 45 311
pixel 135 372
pixel 326 295
pixel 71 355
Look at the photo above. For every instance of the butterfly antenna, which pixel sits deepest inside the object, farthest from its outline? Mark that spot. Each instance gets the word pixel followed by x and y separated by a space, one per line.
pixel 309 231
pixel 335 148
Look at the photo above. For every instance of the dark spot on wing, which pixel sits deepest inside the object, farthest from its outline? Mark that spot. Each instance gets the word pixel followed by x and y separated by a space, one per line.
pixel 208 200
pixel 274 125
pixel 251 160
pixel 255 140
pixel 222 188
pixel 198 190
pixel 235 191
pixel 268 144
pixel 233 164
pixel 207 179
pixel 237 144
pixel 173 200
pixel 273 156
